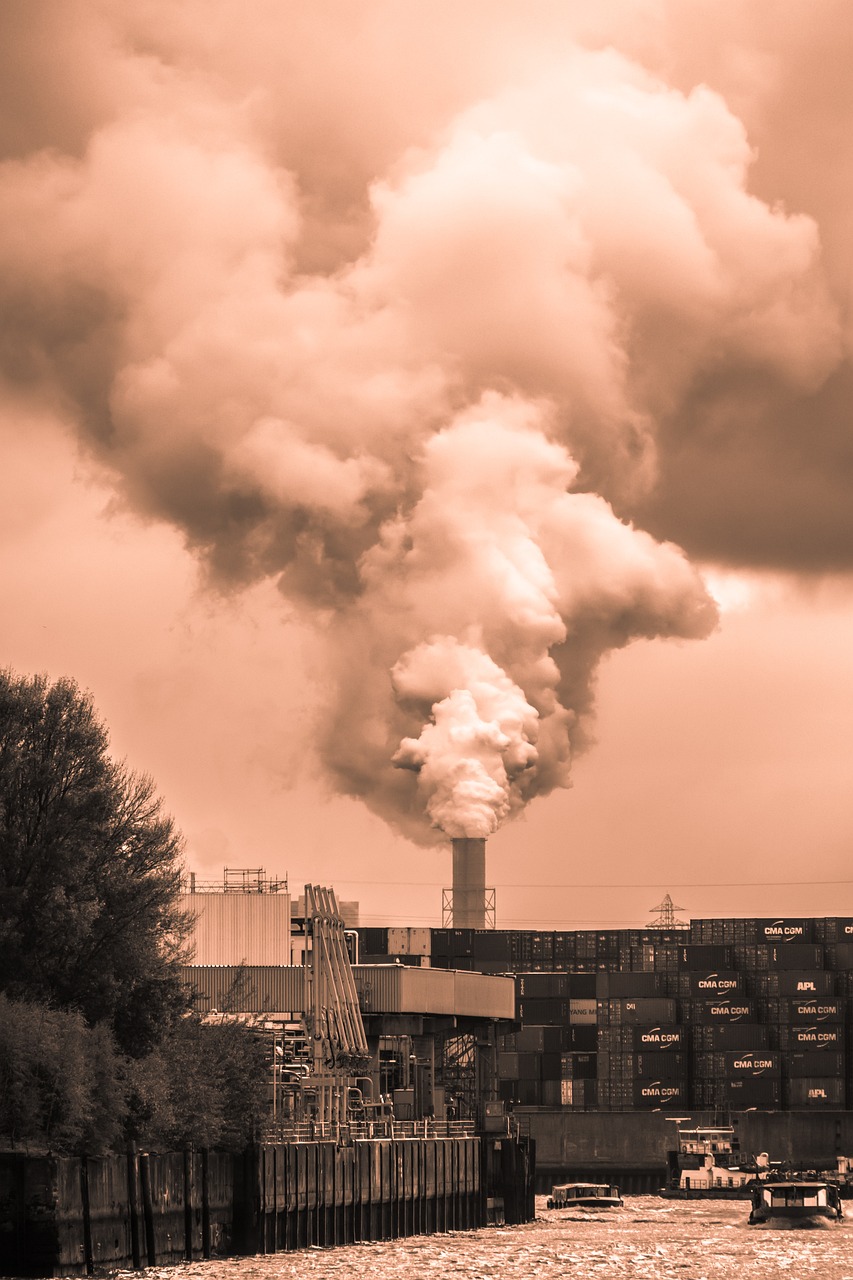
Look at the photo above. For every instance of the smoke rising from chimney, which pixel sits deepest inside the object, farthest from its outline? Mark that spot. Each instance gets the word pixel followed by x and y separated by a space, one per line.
pixel 433 436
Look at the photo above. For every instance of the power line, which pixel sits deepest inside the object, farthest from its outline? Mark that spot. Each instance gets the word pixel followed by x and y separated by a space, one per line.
pixel 678 884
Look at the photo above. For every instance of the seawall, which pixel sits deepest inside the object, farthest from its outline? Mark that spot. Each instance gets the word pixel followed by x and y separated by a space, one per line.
pixel 64 1216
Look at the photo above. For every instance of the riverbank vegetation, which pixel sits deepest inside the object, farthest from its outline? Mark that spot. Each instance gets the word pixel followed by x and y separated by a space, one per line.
pixel 99 1043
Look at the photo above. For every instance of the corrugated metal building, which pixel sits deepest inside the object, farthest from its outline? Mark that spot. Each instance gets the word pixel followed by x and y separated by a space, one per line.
pixel 240 928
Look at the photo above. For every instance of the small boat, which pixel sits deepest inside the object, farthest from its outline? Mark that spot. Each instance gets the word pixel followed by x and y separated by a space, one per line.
pixel 585 1195
pixel 795 1202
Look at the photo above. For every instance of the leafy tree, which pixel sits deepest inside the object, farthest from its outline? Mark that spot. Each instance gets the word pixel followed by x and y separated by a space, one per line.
pixel 89 870
pixel 61 1081
pixel 206 1085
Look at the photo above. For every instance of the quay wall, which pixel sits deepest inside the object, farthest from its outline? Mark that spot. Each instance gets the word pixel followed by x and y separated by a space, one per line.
pixel 66 1216
pixel 631 1147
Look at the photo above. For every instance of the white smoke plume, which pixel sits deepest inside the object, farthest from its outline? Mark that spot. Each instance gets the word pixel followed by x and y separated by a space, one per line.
pixel 426 392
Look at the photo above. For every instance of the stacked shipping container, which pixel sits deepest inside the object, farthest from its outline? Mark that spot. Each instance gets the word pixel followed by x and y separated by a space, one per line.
pixel 732 1013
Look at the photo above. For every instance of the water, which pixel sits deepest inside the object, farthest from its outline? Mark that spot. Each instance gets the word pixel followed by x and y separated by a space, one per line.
pixel 650 1239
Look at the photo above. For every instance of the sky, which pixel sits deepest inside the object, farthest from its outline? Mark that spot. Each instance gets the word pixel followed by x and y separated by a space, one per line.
pixel 421 420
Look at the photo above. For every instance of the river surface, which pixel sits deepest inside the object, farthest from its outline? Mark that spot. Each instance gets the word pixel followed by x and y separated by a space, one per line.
pixel 649 1239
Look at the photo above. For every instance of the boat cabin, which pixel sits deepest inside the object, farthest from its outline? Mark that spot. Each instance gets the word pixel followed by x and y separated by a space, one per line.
pixel 589 1195
pixel 792 1199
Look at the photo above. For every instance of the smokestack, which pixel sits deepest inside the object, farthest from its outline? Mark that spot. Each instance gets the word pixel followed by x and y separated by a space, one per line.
pixel 469 882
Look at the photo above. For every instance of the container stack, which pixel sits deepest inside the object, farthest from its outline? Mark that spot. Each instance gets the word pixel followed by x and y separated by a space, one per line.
pixel 730 1014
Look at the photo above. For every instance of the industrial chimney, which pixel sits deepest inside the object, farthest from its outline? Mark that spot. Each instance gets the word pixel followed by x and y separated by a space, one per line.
pixel 469 882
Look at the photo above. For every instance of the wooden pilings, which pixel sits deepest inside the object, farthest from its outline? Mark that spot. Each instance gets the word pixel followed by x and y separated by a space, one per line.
pixel 75 1216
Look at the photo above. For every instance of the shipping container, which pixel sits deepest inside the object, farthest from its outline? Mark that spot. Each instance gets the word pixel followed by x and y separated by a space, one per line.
pixel 551 1065
pixel 752 957
pixel 579 1066
pixel 492 944
pixel 791 983
pixel 797 955
pixel 650 1010
pixel 816 1091
pixel 539 1040
pixel 730 1035
pixel 815 1062
pixel 708 1012
pixel 784 930
pixel 542 985
pixel 834 929
pixel 821 1035
pixel 763 1093
pixel 409 942
pixel 750 1062
pixel 582 1039
pixel 839 955
pixel 582 986
pixel 703 957
pixel 828 1009
pixel 618 985
pixel 706 985
pixel 642 1066
pixel 583 1013
pixel 635 1037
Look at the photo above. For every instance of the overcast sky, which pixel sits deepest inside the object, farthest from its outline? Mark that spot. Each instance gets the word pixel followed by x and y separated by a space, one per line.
pixel 435 419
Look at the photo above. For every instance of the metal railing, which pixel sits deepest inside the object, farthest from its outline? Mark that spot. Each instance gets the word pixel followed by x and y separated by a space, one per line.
pixel 354 1130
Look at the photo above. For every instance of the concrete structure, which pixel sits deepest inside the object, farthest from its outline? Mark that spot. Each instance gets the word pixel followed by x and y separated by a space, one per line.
pixel 469 883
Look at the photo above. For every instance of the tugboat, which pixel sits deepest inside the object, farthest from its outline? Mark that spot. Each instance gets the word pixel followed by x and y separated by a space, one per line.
pixel 586 1195
pixel 707 1166
pixel 795 1203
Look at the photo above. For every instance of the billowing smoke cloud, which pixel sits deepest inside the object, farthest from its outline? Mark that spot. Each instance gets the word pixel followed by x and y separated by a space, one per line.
pixel 427 389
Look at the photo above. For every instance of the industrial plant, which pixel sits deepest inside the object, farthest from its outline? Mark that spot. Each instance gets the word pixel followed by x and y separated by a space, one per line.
pixel 592 1043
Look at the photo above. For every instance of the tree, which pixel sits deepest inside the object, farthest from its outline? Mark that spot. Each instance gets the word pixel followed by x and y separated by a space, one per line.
pixel 61 1081
pixel 90 870
pixel 206 1085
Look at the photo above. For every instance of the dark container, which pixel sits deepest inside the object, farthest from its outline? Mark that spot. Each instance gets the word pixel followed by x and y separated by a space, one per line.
pixel 529 1065
pixel 698 957
pixel 539 1039
pixel 642 1009
pixel 824 1035
pixel 763 1093
pixel 800 1012
pixel 440 941
pixel 796 955
pixel 708 1012
pixel 784 930
pixel 373 942
pixel 551 1066
pixel 753 1063
pixel 839 955
pixel 619 985
pixel 659 1093
pixel 730 1035
pixel 542 985
pixel 815 1062
pixel 801 983
pixel 636 1037
pixel 816 1091
pixel 581 1039
pixel 492 944
pixel 834 929
pixel 709 985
